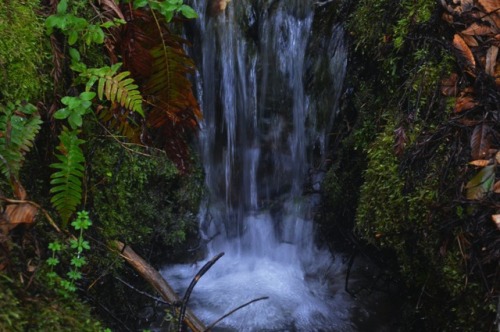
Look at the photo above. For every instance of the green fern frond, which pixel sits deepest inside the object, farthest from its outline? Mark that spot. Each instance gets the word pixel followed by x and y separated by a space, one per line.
pixel 19 125
pixel 119 88
pixel 67 181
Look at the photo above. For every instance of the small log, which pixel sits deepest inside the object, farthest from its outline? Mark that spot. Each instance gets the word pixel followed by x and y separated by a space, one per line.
pixel 155 279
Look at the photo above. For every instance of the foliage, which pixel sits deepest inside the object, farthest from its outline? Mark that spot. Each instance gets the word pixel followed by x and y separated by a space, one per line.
pixel 119 88
pixel 167 8
pixel 77 261
pixel 22 52
pixel 413 199
pixel 158 62
pixel 85 84
pixel 67 180
pixel 19 124
pixel 166 210
pixel 24 309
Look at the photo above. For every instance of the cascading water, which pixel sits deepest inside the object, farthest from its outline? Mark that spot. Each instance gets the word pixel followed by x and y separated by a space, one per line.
pixel 259 125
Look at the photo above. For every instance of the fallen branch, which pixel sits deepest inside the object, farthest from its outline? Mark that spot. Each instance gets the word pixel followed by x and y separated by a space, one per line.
pixel 193 283
pixel 154 278
pixel 211 326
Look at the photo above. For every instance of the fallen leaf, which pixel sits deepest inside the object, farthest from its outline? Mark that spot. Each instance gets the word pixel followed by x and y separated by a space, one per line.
pixel 464 103
pixel 480 141
pixel 497 157
pixel 464 50
pixel 16 214
pixel 481 184
pixel 476 29
pixel 470 40
pixel 447 17
pixel 23 213
pixel 449 85
pixel 479 162
pixel 491 60
pixel 489 5
pixel 496 220
pixel 496 187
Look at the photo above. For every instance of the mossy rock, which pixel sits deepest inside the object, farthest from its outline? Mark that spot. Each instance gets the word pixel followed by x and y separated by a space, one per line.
pixel 23 51
pixel 139 196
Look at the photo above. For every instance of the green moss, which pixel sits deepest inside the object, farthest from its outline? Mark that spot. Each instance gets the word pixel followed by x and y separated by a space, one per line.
pixel 140 197
pixel 22 51
pixel 407 203
pixel 41 311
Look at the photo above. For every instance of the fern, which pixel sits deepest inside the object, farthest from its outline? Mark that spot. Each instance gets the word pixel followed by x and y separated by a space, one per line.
pixel 67 181
pixel 119 88
pixel 19 125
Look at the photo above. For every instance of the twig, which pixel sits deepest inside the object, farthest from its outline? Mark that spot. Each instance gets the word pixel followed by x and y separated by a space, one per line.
pixel 143 293
pixel 155 279
pixel 234 310
pixel 193 283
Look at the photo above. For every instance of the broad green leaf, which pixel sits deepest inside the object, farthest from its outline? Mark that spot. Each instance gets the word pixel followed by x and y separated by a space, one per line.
pixel 481 184
pixel 140 3
pixel 73 37
pixel 62 113
pixel 108 24
pixel 74 54
pixel 188 12
pixel 62 6
pixel 87 95
pixel 75 120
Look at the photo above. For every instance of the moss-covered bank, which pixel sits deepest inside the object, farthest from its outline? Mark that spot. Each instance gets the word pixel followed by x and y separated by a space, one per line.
pixel 133 193
pixel 397 180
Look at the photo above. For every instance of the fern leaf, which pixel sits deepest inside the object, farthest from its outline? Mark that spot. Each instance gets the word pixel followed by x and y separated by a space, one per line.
pixel 67 180
pixel 118 88
pixel 19 125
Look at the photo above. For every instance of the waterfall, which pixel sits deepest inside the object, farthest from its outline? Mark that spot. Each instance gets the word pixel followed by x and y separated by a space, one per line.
pixel 258 130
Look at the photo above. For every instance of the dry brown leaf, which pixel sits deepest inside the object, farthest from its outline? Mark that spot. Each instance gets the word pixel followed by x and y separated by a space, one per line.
pixel 496 220
pixel 468 122
pixel 23 213
pixel 15 214
pixel 480 162
pixel 470 40
pixel 476 29
pixel 496 187
pixel 464 103
pixel 112 8
pixel 465 52
pixel 480 141
pixel 19 191
pixel 447 17
pixel 497 157
pixel 467 5
pixel 489 5
pixel 491 60
pixel 449 85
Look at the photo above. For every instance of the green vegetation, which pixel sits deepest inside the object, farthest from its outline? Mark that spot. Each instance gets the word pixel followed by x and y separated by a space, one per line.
pixel 23 52
pixel 27 310
pixel 413 154
pixel 89 145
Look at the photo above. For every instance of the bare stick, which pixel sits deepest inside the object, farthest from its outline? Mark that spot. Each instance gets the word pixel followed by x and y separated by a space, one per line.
pixel 211 326
pixel 157 299
pixel 154 278
pixel 195 280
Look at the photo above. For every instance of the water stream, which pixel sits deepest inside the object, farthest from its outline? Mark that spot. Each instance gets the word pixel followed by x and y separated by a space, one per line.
pixel 260 128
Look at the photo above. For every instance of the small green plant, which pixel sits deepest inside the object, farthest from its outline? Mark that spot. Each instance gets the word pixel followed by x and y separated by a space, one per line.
pixel 77 261
pixel 76 108
pixel 168 8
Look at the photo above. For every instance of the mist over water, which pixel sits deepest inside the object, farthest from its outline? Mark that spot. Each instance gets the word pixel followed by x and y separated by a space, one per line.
pixel 259 129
